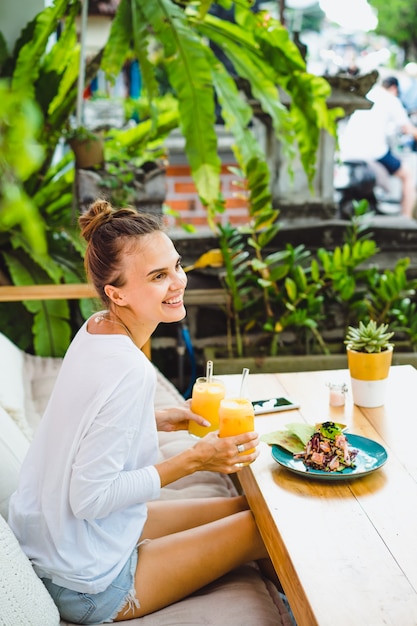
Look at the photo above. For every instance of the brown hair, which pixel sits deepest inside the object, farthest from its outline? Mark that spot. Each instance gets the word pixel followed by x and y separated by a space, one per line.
pixel 108 232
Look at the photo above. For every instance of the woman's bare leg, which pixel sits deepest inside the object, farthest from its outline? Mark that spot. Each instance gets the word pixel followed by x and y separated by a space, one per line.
pixel 171 516
pixel 172 567
pixel 408 190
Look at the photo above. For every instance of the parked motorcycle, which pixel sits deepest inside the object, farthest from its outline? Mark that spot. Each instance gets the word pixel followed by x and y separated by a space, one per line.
pixel 366 180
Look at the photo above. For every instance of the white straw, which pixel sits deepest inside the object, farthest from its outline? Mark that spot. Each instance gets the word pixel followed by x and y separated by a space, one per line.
pixel 209 371
pixel 245 372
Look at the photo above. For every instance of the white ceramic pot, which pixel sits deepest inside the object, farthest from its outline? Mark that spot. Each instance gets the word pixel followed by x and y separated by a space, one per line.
pixel 368 376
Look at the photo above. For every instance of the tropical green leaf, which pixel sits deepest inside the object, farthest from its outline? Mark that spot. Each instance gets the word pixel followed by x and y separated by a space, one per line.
pixel 51 328
pixel 244 54
pixel 291 289
pixel 237 114
pixel 190 76
pixel 140 47
pixel 64 59
pixel 130 29
pixel 119 41
pixel 37 267
pixel 18 209
pixel 28 63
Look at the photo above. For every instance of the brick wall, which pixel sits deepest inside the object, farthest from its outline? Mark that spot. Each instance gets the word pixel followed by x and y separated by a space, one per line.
pixel 182 197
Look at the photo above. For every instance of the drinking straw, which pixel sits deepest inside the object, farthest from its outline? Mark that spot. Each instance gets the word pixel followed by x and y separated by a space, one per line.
pixel 245 372
pixel 209 371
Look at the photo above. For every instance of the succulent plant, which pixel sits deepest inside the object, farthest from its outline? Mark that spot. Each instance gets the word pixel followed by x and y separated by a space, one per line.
pixel 369 337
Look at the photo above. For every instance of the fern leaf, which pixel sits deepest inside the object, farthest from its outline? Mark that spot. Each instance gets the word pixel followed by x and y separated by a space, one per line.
pixel 189 73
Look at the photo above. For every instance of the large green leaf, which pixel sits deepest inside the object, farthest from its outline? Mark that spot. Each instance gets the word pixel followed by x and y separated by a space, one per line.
pixel 243 51
pixel 28 63
pixel 21 155
pixel 16 208
pixel 141 48
pixel 236 112
pixel 119 42
pixel 54 189
pixel 134 140
pixel 20 123
pixel 63 58
pixel 130 31
pixel 51 328
pixel 35 263
pixel 190 76
pixel 263 54
pixel 51 317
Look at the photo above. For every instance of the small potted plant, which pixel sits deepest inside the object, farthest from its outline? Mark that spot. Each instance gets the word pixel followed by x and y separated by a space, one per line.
pixel 88 147
pixel 369 354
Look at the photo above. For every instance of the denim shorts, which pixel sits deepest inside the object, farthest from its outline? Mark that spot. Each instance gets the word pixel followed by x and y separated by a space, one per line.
pixel 390 162
pixel 88 608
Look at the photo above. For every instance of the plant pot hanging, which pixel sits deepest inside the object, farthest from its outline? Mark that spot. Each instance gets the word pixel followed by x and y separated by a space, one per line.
pixel 88 152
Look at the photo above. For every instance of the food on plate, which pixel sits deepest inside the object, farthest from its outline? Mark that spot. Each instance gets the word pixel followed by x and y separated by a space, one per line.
pixel 328 449
pixel 321 447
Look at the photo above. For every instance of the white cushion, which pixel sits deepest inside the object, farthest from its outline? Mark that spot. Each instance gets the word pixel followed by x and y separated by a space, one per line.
pixel 39 378
pixel 166 393
pixel 13 447
pixel 24 601
pixel 12 391
pixel 241 598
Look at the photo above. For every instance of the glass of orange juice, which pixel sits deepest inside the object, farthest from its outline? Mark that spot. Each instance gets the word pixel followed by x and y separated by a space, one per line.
pixel 236 416
pixel 205 401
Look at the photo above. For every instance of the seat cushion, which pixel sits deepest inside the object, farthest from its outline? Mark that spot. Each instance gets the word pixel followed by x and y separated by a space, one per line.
pixel 12 391
pixel 24 601
pixel 39 378
pixel 13 448
pixel 241 598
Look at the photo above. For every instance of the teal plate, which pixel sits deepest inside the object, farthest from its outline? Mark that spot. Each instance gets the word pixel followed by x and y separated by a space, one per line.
pixel 371 456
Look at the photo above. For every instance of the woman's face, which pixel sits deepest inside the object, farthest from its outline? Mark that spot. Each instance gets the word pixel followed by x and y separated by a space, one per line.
pixel 155 281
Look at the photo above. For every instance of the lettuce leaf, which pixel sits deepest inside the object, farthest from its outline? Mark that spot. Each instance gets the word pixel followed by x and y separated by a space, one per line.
pixel 296 435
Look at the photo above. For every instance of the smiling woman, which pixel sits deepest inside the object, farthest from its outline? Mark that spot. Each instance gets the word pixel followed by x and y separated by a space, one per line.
pixel 109 549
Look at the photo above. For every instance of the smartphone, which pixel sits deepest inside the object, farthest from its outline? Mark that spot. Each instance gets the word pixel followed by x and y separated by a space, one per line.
pixel 274 404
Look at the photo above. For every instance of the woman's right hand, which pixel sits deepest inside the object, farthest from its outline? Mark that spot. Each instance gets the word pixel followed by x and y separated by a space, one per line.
pixel 221 454
pixel 211 453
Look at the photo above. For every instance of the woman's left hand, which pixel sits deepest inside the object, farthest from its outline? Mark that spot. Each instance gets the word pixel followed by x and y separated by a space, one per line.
pixel 177 418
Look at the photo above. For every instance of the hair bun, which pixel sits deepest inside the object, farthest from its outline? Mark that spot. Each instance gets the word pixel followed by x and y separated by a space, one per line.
pixel 97 214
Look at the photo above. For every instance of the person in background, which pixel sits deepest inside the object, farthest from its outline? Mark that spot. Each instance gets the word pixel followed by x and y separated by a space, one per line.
pixel 368 133
pixel 86 511
pixel 409 89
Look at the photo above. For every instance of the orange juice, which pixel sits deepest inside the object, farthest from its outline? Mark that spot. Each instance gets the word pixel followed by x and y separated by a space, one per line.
pixel 205 401
pixel 236 416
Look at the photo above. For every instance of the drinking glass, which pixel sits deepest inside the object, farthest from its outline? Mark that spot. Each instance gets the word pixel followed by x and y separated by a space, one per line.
pixel 205 401
pixel 236 416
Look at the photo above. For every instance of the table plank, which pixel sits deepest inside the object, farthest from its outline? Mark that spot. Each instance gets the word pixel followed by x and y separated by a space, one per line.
pixel 311 570
pixel 345 551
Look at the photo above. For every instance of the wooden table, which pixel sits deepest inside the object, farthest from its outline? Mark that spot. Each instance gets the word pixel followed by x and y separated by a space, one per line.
pixel 345 551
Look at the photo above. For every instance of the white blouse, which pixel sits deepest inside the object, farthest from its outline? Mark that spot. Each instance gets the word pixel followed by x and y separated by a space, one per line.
pixel 80 506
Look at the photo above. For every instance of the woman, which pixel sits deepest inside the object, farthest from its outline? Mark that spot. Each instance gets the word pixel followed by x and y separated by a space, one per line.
pixel 86 510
